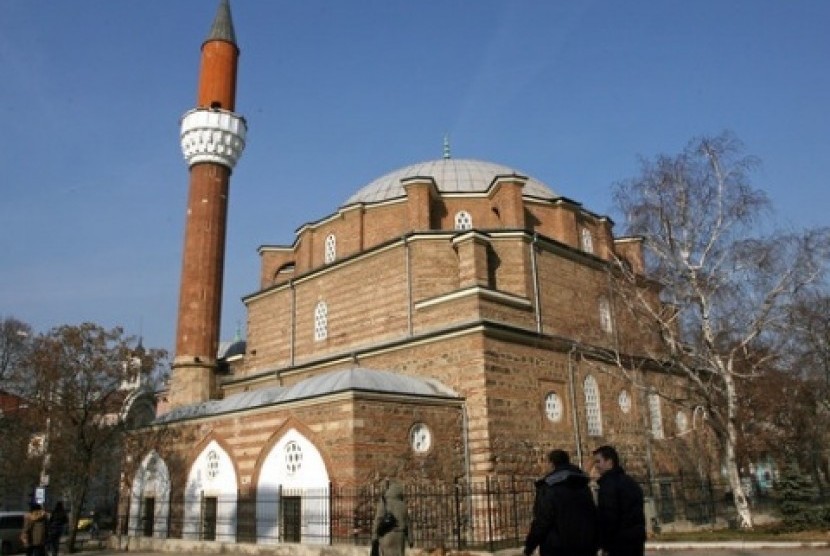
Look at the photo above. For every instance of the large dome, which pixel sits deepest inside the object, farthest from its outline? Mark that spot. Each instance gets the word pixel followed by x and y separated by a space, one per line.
pixel 450 175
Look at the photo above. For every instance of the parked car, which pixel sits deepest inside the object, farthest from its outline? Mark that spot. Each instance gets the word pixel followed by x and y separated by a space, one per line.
pixel 11 525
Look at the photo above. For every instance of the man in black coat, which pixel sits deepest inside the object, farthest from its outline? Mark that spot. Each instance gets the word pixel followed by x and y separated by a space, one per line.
pixel 564 514
pixel 622 521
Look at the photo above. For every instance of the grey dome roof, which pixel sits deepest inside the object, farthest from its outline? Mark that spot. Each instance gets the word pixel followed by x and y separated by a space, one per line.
pixel 229 349
pixel 367 380
pixel 451 176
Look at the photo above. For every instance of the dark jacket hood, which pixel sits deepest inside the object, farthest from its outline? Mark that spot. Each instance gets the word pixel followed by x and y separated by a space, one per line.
pixel 567 475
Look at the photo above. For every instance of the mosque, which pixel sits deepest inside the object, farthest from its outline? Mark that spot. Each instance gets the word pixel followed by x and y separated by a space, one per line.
pixel 441 325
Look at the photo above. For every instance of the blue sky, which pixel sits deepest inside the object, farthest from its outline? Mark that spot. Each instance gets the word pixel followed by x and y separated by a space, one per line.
pixel 337 93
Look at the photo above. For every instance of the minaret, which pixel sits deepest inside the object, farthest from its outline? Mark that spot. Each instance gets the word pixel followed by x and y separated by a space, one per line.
pixel 212 138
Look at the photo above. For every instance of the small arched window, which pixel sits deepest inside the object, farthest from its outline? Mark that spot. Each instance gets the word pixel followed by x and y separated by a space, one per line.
pixel 553 407
pixel 624 400
pixel 698 416
pixel 321 321
pixel 681 421
pixel 605 321
pixel 586 240
pixel 463 220
pixel 593 413
pixel 331 249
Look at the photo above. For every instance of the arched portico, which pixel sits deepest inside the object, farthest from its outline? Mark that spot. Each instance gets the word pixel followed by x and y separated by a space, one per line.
pixel 293 493
pixel 150 498
pixel 210 496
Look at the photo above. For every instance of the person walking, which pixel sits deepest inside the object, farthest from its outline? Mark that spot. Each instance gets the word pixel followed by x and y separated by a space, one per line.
pixel 33 534
pixel 622 521
pixel 564 515
pixel 57 524
pixel 390 534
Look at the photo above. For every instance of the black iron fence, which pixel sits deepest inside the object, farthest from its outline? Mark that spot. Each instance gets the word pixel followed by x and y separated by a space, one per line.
pixel 488 515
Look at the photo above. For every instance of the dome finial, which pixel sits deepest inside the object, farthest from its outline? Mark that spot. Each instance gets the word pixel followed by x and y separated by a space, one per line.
pixel 447 146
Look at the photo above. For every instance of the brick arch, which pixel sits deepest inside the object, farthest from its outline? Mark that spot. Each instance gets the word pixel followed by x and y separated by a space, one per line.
pixel 199 447
pixel 290 423
pixel 224 490
pixel 283 267
pixel 159 483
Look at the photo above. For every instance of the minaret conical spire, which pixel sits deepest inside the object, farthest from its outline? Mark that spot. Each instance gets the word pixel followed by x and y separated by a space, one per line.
pixel 222 28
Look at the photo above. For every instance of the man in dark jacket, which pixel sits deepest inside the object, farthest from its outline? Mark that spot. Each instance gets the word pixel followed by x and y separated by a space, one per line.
pixel 564 514
pixel 622 522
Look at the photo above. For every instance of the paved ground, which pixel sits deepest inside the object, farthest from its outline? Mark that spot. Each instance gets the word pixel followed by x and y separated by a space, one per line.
pixel 742 552
pixel 658 550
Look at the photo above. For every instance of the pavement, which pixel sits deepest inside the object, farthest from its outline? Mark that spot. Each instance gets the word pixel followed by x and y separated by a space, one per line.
pixel 738 547
pixel 726 548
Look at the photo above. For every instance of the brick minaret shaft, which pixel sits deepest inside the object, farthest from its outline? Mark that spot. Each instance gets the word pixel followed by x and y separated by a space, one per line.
pixel 212 137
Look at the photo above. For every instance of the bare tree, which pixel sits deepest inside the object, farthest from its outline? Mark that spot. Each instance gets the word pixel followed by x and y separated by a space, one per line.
pixel 725 281
pixel 810 364
pixel 15 340
pixel 781 415
pixel 15 337
pixel 77 378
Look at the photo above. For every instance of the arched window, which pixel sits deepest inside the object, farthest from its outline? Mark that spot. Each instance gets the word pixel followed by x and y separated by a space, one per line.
pixel 553 407
pixel 605 321
pixel 698 416
pixel 321 321
pixel 656 415
pixel 463 220
pixel 331 249
pixel 682 422
pixel 624 399
pixel 592 409
pixel 586 240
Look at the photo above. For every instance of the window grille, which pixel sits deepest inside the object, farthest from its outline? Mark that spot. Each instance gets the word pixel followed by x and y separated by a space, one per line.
pixel 605 321
pixel 463 220
pixel 553 407
pixel 321 321
pixel 587 240
pixel 331 249
pixel 656 415
pixel 592 408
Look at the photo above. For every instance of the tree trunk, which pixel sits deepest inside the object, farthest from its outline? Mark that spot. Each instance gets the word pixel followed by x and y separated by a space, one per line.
pixel 77 505
pixel 729 455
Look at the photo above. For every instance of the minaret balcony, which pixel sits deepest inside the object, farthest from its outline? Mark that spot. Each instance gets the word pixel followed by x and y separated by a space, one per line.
pixel 213 135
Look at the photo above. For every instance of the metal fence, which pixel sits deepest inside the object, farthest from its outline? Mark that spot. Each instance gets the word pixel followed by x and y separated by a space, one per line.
pixel 488 515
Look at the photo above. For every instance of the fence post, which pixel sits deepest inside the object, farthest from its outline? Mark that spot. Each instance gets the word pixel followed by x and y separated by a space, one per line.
pixel 712 507
pixel 489 515
pixel 458 518
pixel 331 517
pixel 515 507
